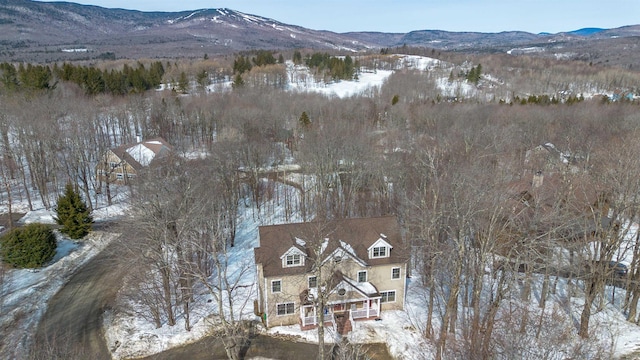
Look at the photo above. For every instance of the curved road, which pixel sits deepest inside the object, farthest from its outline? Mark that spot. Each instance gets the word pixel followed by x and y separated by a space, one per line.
pixel 72 325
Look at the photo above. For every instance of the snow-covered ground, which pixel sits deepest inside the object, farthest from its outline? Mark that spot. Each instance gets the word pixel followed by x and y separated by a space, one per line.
pixel 300 78
pixel 20 310
pixel 24 293
pixel 130 336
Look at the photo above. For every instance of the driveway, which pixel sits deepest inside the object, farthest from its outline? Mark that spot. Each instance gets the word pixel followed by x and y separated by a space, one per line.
pixel 72 325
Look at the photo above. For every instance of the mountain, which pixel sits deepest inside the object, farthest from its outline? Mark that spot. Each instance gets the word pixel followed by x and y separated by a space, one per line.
pixel 54 31
pixel 50 31
pixel 586 31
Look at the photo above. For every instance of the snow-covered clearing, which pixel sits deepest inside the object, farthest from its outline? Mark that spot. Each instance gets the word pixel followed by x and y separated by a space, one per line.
pixel 300 78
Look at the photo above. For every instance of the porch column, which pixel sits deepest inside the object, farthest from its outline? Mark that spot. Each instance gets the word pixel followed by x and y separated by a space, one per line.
pixel 366 304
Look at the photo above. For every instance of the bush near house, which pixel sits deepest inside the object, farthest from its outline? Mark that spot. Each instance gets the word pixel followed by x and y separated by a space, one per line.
pixel 30 246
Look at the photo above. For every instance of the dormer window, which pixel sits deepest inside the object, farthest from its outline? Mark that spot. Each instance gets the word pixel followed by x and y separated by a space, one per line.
pixel 293 260
pixel 380 249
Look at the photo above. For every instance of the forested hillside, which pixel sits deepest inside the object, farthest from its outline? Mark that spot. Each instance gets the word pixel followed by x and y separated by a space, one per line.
pixel 509 175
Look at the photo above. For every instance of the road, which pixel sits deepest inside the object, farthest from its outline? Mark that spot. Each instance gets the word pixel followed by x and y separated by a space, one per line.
pixel 72 325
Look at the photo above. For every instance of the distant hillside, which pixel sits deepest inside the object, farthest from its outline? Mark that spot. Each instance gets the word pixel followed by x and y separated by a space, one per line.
pixel 586 31
pixel 32 31
pixel 55 31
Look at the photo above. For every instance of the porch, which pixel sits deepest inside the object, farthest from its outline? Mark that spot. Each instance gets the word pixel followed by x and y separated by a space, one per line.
pixel 367 309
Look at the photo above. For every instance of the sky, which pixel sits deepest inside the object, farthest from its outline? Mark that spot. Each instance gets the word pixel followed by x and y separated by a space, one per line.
pixel 407 15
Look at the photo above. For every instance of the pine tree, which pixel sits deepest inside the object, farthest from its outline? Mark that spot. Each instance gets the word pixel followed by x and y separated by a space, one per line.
pixel 297 57
pixel 183 83
pixel 304 120
pixel 72 214
pixel 238 82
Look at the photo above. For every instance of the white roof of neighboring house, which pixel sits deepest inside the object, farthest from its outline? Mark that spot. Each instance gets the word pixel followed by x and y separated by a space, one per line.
pixel 141 154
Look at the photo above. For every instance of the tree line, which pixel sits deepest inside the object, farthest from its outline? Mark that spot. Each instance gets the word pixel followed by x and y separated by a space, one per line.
pixel 91 79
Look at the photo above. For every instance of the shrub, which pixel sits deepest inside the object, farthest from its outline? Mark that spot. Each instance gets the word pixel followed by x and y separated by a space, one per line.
pixel 30 246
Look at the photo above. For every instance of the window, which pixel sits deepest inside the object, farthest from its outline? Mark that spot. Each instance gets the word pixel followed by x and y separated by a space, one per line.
pixel 286 308
pixel 293 260
pixel 362 276
pixel 395 273
pixel 379 252
pixel 113 164
pixel 130 176
pixel 388 296
pixel 342 291
pixel 276 286
pixel 379 249
pixel 313 282
pixel 119 176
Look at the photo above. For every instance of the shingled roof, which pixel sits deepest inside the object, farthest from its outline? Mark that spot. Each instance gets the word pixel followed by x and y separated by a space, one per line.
pixel 352 237
pixel 142 154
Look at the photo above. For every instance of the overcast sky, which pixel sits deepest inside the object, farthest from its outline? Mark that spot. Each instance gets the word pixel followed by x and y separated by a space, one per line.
pixel 407 15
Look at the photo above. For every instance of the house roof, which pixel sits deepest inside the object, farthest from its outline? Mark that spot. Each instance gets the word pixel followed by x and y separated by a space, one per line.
pixel 543 202
pixel 142 154
pixel 346 236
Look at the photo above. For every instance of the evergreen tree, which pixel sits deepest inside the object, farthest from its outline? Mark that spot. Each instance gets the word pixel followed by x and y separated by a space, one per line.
pixel 203 79
pixel 72 214
pixel 474 74
pixel 304 120
pixel 238 82
pixel 471 76
pixel 30 246
pixel 183 83
pixel 241 64
pixel 297 57
pixel 264 57
pixel 9 76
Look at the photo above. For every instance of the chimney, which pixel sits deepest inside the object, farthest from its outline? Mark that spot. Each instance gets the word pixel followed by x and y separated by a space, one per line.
pixel 138 138
pixel 538 178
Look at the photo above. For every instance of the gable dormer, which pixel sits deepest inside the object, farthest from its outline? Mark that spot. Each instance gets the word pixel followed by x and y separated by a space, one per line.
pixel 341 253
pixel 293 257
pixel 380 249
